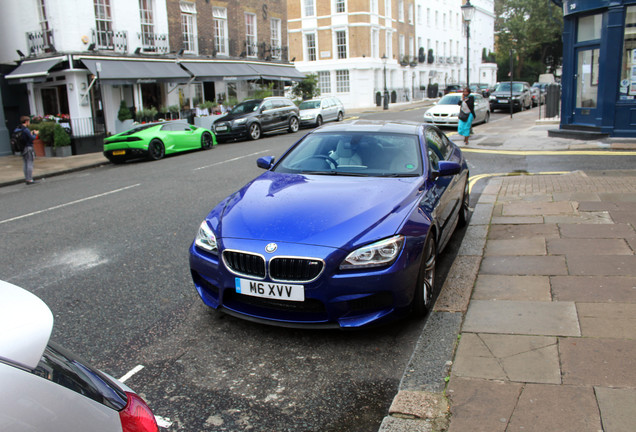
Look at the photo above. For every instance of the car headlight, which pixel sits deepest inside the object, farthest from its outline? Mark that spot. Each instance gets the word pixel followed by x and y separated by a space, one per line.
pixel 378 254
pixel 206 239
pixel 240 121
pixel 428 114
pixel 493 98
pixel 306 116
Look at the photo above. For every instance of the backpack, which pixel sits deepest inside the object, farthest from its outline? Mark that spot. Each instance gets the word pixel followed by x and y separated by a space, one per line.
pixel 17 140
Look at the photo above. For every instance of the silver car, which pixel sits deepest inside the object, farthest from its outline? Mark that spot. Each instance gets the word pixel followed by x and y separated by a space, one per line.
pixel 44 387
pixel 315 112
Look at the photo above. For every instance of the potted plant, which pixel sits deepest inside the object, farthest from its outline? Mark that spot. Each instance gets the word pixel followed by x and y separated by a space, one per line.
pixel 61 142
pixel 174 111
pixel 124 118
pixel 45 137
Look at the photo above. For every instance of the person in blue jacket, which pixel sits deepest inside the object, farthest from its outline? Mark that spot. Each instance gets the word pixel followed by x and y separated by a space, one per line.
pixel 467 106
pixel 28 154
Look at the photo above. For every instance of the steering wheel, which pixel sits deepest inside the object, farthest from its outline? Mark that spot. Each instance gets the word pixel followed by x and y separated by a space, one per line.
pixel 327 159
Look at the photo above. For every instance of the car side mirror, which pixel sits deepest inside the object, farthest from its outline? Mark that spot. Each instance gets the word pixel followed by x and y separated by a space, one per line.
pixel 265 162
pixel 447 168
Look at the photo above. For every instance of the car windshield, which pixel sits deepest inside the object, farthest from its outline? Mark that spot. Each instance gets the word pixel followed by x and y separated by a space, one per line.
pixel 505 86
pixel 140 128
pixel 356 154
pixel 309 105
pixel 450 100
pixel 246 107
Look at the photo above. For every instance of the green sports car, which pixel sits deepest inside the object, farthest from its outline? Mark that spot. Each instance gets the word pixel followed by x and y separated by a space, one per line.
pixel 155 140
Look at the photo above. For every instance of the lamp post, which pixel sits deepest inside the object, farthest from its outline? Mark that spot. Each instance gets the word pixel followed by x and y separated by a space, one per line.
pixel 468 11
pixel 386 91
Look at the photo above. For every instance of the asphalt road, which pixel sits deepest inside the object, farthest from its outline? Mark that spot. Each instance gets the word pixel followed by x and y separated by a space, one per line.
pixel 107 250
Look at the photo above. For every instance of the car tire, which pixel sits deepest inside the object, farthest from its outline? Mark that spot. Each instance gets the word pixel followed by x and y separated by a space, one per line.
pixel 206 141
pixel 294 125
pixel 156 149
pixel 254 131
pixel 425 288
pixel 340 116
pixel 318 121
pixel 464 211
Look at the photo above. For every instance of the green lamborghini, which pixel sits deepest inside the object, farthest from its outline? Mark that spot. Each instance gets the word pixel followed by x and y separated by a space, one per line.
pixel 155 140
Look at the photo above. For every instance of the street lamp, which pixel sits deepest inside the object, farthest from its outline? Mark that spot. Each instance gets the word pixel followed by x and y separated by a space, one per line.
pixel 468 11
pixel 386 91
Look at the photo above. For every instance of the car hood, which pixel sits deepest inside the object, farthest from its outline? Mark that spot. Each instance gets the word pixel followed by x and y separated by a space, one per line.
pixel 444 109
pixel 333 211
pixel 230 117
pixel 309 111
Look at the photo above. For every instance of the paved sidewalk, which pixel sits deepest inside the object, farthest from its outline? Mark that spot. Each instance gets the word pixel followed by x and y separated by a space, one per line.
pixel 543 297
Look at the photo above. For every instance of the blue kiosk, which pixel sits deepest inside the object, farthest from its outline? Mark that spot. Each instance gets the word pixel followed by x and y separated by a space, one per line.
pixel 599 68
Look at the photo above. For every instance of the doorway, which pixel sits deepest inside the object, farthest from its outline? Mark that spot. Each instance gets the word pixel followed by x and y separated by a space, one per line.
pixel 586 82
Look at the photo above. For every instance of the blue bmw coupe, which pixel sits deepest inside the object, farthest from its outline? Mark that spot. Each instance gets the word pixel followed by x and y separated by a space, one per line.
pixel 343 231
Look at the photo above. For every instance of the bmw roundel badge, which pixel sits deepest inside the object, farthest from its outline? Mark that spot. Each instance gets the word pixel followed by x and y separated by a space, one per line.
pixel 271 248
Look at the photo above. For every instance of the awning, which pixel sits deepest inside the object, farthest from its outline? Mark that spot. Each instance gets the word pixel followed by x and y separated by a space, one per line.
pixel 35 70
pixel 277 72
pixel 123 71
pixel 220 70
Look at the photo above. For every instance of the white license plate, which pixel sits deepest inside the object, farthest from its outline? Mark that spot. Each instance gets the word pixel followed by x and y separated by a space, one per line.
pixel 503 101
pixel 221 128
pixel 270 290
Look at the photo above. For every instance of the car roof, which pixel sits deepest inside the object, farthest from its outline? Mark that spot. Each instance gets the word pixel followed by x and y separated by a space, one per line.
pixel 378 126
pixel 26 323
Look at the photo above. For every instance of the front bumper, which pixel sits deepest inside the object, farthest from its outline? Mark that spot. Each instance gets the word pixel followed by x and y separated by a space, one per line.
pixel 229 130
pixel 441 120
pixel 336 299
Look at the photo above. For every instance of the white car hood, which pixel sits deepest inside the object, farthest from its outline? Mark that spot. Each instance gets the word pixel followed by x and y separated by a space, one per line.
pixel 443 109
pixel 26 323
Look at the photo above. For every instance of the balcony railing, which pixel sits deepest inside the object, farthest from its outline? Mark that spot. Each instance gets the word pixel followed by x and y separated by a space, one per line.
pixel 110 40
pixel 40 42
pixel 154 43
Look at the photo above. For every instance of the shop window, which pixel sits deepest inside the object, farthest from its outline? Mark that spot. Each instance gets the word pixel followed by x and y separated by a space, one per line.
pixel 628 70
pixel 589 28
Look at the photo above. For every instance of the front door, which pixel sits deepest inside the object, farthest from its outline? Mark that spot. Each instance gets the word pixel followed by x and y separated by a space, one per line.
pixel 586 84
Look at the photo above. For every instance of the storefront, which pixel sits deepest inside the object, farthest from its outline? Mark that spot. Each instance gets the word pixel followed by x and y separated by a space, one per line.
pixel 599 66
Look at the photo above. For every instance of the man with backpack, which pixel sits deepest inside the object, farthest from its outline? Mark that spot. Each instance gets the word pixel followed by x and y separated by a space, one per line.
pixel 24 143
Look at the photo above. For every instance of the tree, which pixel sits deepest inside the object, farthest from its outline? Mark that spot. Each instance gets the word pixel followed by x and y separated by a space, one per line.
pixel 307 88
pixel 532 30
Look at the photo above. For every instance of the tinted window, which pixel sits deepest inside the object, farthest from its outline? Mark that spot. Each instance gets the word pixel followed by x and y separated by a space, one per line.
pixel 436 143
pixel 246 107
pixel 309 105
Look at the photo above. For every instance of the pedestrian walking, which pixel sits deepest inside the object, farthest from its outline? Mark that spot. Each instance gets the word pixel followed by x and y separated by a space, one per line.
pixel 466 115
pixel 28 154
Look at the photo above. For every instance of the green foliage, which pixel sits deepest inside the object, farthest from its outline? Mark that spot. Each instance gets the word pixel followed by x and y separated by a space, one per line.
pixel 307 88
pixel 232 101
pixel 264 92
pixel 532 30
pixel 208 104
pixel 124 113
pixel 46 131
pixel 173 109
pixel 60 137
pixel 146 114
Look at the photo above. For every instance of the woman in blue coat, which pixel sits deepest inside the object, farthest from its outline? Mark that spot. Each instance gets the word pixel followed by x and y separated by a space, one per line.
pixel 467 107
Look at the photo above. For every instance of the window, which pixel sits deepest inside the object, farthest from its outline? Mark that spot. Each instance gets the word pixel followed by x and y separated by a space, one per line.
pixel 341 6
pixel 342 81
pixel 147 25
pixel 411 46
pixel 275 38
pixel 401 10
pixel 103 24
pixel 188 27
pixel 251 47
pixel 410 14
pixel 389 44
pixel 310 38
pixel 374 6
pixel 341 44
pixel 375 43
pixel 47 36
pixel 309 8
pixel 628 71
pixel 387 8
pixel 401 46
pixel 219 16
pixel 324 82
pixel 589 27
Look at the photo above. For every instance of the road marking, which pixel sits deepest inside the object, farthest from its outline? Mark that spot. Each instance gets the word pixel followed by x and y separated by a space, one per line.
pixel 130 373
pixel 68 204
pixel 231 160
pixel 551 152
pixel 474 179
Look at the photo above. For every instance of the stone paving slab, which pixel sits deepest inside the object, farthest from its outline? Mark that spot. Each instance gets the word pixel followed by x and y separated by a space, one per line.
pixel 481 406
pixel 608 265
pixel 617 409
pixel 522 317
pixel 544 408
pixel 607 320
pixel 598 362
pixel 576 246
pixel 581 218
pixel 512 231
pixel 538 208
pixel 516 220
pixel 532 359
pixel 512 287
pixel 594 288
pixel 523 246
pixel 524 265
pixel 596 231
pixel 418 404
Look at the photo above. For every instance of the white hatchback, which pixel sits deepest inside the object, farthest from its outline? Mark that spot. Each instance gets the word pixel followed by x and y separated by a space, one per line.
pixel 446 110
